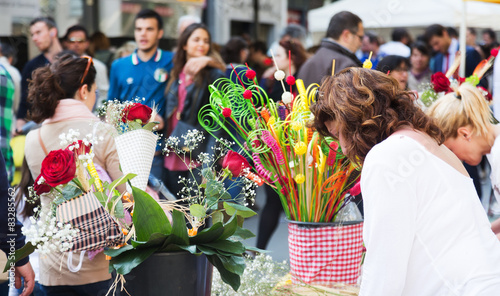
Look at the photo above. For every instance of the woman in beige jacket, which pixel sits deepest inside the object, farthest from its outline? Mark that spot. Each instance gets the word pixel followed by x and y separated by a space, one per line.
pixel 61 97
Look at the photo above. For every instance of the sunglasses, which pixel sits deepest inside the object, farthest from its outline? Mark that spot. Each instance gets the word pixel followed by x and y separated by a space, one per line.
pixel 86 68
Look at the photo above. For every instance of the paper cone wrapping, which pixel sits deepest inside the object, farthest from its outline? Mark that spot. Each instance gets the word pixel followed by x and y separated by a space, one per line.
pixel 136 150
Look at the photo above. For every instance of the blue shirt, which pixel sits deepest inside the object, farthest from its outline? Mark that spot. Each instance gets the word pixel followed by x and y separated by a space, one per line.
pixel 130 78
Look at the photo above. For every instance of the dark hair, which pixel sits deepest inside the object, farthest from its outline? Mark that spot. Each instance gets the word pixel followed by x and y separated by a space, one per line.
pixel 472 31
pixel 149 13
pixel 399 34
pixel 372 37
pixel 341 21
pixel 6 50
pixel 367 107
pixel 295 31
pixel 99 41
pixel 45 19
pixel 180 57
pixel 26 181
pixel 490 33
pixel 434 30
pixel 298 53
pixel 55 82
pixel 258 46
pixel 76 28
pixel 452 32
pixel 231 51
pixel 391 63
pixel 422 47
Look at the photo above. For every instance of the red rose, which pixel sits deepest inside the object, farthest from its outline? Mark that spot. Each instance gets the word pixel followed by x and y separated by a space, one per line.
pixel 235 163
pixel 41 188
pixel 82 148
pixel 58 167
pixel 136 111
pixel 440 82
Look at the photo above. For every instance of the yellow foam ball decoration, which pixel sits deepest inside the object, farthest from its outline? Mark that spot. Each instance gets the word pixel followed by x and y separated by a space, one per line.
pixel 367 64
pixel 300 179
pixel 297 125
pixel 300 148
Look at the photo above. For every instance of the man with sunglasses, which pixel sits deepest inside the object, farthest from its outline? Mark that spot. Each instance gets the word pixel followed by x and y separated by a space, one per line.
pixel 43 31
pixel 343 38
pixel 77 40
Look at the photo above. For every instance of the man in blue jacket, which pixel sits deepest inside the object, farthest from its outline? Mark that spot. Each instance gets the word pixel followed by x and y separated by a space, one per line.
pixel 446 48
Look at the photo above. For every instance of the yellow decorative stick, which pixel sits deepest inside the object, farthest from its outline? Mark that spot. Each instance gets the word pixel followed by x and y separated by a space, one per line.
pixel 333 67
pixel 93 173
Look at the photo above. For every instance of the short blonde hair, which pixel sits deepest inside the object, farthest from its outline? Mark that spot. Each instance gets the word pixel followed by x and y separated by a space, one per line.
pixel 465 106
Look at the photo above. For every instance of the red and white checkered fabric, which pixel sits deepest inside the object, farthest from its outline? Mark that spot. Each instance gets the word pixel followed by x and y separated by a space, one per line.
pixel 325 255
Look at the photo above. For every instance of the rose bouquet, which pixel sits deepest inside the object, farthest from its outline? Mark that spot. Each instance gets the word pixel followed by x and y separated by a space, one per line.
pixel 134 124
pixel 79 215
pixel 309 173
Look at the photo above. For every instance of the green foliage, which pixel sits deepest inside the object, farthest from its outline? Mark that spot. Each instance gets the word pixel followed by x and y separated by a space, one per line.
pixel 154 233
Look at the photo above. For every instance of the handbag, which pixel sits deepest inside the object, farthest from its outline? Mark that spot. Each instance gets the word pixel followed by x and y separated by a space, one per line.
pixel 97 228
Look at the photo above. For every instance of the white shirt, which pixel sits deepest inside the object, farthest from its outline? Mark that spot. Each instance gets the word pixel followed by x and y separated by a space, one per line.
pixel 494 160
pixel 496 88
pixel 102 82
pixel 395 48
pixel 425 230
pixel 452 50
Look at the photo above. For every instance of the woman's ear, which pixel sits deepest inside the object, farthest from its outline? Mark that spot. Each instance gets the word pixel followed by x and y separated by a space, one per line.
pixel 464 132
pixel 83 92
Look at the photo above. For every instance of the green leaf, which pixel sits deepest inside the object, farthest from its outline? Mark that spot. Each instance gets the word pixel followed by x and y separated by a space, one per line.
pixel 190 249
pixel 240 210
pixel 243 233
pixel 233 264
pixel 229 228
pixel 150 125
pixel 155 240
pixel 213 188
pixel 69 192
pixel 217 217
pixel 148 216
pixel 101 197
pixel 119 210
pixel 19 254
pixel 116 252
pixel 208 234
pixel 128 260
pixel 121 180
pixel 179 230
pixel 207 251
pixel 227 277
pixel 207 174
pixel 227 246
pixel 197 210
pixel 134 125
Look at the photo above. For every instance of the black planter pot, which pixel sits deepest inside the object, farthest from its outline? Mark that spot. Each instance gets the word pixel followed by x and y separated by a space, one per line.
pixel 171 274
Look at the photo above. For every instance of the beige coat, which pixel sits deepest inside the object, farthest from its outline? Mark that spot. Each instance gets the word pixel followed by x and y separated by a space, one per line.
pixel 53 267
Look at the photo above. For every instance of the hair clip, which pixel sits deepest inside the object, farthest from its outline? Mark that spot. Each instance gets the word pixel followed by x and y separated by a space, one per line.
pixel 458 96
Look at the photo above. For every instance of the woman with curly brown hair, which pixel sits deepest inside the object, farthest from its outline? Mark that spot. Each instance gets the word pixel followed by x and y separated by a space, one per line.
pixel 425 230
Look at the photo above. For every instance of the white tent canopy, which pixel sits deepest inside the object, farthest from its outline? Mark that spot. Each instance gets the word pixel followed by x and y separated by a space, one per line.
pixel 408 13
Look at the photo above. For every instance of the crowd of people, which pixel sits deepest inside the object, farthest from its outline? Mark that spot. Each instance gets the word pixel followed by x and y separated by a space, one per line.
pixel 73 76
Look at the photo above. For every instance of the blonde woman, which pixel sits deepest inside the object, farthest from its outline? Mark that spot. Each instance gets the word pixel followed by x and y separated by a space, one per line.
pixel 466 121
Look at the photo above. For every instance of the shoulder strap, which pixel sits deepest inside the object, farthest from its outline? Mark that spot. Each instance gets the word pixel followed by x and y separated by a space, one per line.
pixel 41 142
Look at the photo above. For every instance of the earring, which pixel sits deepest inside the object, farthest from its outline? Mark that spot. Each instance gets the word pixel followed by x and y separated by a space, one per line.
pixel 85 98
